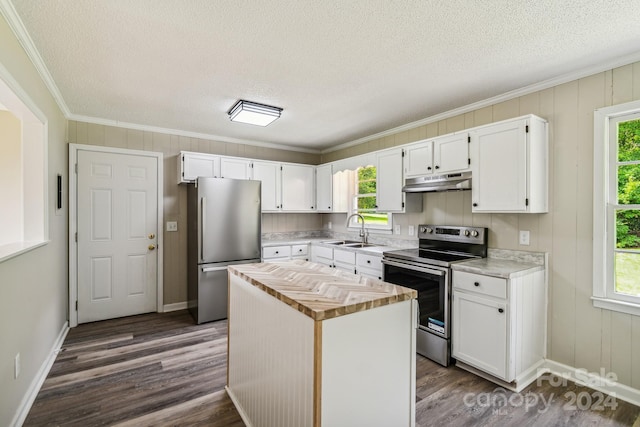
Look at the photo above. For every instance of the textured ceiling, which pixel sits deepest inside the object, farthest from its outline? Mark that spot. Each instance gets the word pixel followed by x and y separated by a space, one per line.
pixel 341 70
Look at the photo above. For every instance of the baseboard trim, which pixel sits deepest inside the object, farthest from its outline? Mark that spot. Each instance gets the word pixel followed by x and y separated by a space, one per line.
pixel 175 306
pixel 594 381
pixel 32 392
pixel 243 415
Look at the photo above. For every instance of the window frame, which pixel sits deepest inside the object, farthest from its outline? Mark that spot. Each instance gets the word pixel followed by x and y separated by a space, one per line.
pixel 605 186
pixel 354 223
pixel 35 163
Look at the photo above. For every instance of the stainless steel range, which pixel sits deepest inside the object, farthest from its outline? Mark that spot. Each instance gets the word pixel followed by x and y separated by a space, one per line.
pixel 427 270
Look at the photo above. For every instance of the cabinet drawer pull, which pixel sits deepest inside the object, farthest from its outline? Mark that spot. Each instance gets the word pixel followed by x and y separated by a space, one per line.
pixel 277 252
pixel 368 261
pixel 500 310
pixel 476 283
pixel 475 205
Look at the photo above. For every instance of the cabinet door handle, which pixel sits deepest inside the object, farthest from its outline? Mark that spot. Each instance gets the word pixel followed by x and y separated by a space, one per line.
pixel 437 167
pixel 368 261
pixel 475 205
pixel 500 310
pixel 476 283
pixel 277 252
pixel 428 168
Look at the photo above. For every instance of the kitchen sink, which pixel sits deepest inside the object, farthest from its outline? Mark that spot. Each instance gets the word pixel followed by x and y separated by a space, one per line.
pixel 360 245
pixel 349 243
pixel 342 242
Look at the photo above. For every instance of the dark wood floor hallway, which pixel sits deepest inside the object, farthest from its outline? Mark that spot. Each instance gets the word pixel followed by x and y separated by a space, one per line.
pixel 164 370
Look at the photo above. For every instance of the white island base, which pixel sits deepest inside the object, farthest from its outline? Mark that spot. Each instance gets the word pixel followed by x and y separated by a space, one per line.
pixel 287 369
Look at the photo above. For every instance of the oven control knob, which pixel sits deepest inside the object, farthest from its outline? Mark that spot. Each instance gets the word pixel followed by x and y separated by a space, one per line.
pixel 466 233
pixel 474 233
pixel 427 230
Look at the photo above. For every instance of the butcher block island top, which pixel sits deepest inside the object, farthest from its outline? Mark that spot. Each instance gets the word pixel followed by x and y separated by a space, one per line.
pixel 318 291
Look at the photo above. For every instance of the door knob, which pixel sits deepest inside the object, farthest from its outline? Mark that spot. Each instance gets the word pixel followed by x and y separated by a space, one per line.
pixel 151 236
pixel 152 247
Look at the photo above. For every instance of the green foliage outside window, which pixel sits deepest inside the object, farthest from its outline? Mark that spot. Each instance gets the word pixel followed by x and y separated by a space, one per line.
pixel 366 198
pixel 627 255
pixel 628 221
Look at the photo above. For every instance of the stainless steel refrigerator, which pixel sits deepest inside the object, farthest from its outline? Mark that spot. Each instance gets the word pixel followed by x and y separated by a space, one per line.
pixel 224 228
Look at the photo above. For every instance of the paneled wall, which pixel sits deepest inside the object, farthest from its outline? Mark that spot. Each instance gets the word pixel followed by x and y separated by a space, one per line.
pixel 579 335
pixel 175 196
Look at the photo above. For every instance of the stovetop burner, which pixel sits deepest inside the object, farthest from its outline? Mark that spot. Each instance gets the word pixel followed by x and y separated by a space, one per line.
pixel 443 245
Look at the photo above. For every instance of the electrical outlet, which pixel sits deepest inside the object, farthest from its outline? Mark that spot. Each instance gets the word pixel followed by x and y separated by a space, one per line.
pixel 16 366
pixel 172 225
pixel 329 225
pixel 524 237
pixel 412 230
pixel 396 229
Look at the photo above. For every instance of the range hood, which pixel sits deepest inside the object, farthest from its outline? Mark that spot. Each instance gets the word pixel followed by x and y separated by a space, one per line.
pixel 448 182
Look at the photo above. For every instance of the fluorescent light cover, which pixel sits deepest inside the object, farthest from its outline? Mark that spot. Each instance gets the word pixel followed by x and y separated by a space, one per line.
pixel 253 113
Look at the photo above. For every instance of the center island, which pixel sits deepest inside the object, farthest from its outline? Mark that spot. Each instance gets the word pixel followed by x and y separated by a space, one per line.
pixel 313 346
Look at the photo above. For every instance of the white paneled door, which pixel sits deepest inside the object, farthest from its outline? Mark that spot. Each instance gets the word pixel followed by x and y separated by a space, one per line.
pixel 117 223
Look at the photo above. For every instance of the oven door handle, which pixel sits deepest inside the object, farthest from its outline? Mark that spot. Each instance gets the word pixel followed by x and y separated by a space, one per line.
pixel 414 268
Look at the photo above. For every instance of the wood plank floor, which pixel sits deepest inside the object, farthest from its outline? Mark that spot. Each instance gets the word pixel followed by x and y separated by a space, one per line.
pixel 163 370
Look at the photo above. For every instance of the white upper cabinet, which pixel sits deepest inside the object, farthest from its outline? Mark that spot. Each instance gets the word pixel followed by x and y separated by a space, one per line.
pixel 418 159
pixel 269 174
pixel 389 181
pixel 451 153
pixel 324 188
pixel 235 168
pixel 509 163
pixel 445 154
pixel 192 165
pixel 298 188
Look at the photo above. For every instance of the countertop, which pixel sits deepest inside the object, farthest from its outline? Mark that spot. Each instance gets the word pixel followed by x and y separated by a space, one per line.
pixel 374 249
pixel 318 291
pixel 503 268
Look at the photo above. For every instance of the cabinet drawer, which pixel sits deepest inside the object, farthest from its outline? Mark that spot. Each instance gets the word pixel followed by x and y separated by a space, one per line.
pixel 299 250
pixel 370 272
pixel 369 261
pixel 322 252
pixel 345 257
pixel 485 285
pixel 276 252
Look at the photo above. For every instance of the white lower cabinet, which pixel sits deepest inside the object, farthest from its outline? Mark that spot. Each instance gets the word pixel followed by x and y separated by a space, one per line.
pixel 285 252
pixel 369 265
pixel 499 326
pixel 344 260
pixel 322 255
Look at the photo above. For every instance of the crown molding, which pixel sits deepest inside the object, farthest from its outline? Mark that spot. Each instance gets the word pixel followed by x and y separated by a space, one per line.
pixel 177 132
pixel 14 21
pixel 546 84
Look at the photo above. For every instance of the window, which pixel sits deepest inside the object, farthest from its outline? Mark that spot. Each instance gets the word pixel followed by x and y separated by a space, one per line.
pixel 364 201
pixel 617 208
pixel 23 171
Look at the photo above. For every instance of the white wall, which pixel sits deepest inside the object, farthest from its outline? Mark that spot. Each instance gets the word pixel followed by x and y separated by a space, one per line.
pixel 33 286
pixel 579 335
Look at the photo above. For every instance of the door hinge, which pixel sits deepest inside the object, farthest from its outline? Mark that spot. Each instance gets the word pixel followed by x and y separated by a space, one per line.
pixel 76 236
pixel 526 129
pixel 403 205
pixel 76 305
pixel 402 153
pixel 469 138
pixel 469 161
pixel 280 167
pixel 75 167
pixel 526 202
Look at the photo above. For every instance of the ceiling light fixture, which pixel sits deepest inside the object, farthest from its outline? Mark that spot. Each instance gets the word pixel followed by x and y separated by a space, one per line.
pixel 253 113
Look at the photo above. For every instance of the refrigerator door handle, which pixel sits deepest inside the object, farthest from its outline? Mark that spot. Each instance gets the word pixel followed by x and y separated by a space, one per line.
pixel 210 269
pixel 202 224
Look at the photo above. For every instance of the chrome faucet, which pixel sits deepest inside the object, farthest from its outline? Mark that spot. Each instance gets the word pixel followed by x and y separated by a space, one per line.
pixel 363 234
